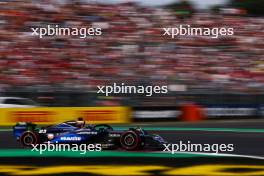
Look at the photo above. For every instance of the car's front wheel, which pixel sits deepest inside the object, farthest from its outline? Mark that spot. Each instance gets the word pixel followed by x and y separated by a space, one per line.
pixel 130 140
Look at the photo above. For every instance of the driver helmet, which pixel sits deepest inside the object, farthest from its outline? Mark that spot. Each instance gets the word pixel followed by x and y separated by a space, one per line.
pixel 80 122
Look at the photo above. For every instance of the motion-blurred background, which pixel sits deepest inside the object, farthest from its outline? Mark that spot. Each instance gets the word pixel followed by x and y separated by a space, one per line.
pixel 66 70
pixel 206 77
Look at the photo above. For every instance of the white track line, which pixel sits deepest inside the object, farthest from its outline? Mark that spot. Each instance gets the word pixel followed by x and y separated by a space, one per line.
pixel 218 154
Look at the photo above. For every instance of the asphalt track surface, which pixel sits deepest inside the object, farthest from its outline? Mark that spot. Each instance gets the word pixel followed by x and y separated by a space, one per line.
pixel 244 143
pixel 247 159
pixel 247 136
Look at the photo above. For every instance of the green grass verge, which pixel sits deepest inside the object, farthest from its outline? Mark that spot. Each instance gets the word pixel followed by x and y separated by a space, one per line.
pixel 29 153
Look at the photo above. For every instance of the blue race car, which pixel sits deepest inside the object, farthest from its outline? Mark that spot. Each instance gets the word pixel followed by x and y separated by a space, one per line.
pixel 76 132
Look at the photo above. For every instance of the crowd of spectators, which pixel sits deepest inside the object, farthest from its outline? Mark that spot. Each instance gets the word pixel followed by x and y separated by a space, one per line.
pixel 131 48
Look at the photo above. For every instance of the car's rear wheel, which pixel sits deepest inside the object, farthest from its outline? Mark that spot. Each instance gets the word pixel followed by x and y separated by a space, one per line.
pixel 130 140
pixel 28 139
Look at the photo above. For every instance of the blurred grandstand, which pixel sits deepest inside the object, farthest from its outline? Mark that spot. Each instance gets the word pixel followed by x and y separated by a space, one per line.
pixel 66 70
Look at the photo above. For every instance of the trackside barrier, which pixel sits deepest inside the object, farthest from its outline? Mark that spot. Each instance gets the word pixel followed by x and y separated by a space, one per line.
pixel 186 112
pixel 155 113
pixel 261 111
pixel 232 111
pixel 191 112
pixel 194 112
pixel 51 115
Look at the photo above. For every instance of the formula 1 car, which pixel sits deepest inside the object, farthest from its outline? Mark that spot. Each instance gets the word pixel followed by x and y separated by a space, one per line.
pixel 76 132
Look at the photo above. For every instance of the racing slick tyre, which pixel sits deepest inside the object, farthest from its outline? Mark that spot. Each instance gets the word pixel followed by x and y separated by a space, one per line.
pixel 28 138
pixel 130 140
